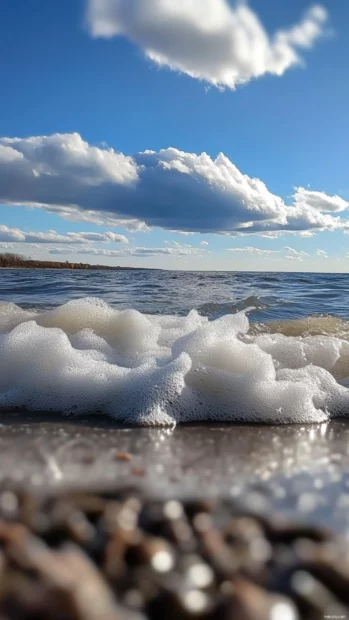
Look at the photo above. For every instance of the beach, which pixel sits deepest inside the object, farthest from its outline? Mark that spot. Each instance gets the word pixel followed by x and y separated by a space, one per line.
pixel 201 521
pixel 130 463
pixel 300 471
pixel 174 324
pixel 61 347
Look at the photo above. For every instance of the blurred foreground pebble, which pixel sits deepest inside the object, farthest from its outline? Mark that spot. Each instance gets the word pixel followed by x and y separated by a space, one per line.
pixel 110 556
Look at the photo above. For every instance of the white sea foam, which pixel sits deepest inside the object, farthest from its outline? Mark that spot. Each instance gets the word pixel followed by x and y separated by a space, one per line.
pixel 86 357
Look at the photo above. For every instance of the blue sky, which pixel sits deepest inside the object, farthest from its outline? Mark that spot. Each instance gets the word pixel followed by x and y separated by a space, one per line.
pixel 63 73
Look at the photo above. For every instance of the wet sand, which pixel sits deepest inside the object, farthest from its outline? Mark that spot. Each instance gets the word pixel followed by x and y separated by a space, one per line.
pixel 301 471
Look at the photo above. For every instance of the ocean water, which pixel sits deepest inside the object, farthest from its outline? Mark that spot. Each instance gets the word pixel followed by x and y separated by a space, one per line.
pixel 159 347
pixel 277 296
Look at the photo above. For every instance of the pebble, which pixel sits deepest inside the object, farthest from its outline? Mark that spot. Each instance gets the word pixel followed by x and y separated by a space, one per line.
pixel 121 555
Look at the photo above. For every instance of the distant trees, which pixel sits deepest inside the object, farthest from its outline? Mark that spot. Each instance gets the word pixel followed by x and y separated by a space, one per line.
pixel 16 261
pixel 7 259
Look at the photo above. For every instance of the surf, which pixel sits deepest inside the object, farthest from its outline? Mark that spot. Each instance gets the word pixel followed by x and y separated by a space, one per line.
pixel 159 370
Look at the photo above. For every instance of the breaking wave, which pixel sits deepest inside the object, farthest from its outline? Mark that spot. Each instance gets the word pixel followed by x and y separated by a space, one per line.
pixel 86 357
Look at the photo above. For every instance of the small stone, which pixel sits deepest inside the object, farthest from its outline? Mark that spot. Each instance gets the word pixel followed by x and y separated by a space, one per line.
pixel 123 456
pixel 138 471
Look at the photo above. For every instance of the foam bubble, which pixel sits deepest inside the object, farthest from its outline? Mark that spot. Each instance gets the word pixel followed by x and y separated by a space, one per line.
pixel 86 357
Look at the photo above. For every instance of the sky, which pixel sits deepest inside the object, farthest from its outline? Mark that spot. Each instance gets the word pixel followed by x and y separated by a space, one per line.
pixel 181 134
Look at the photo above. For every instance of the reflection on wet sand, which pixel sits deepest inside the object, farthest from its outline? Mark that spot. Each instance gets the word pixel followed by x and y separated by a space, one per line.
pixel 301 471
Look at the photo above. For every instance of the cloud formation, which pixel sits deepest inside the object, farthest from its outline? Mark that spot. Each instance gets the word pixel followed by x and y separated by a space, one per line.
pixel 288 253
pixel 294 257
pixel 319 201
pixel 15 235
pixel 252 250
pixel 208 40
pixel 177 251
pixel 169 189
pixel 295 254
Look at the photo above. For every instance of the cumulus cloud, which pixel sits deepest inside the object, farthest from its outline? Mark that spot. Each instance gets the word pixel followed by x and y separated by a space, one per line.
pixel 11 234
pixel 208 40
pixel 203 242
pixel 322 253
pixel 319 201
pixel 19 236
pixel 169 189
pixel 91 216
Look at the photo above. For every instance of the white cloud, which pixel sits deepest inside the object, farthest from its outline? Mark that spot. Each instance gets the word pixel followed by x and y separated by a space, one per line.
pixel 294 257
pixel 319 201
pixel 291 253
pixel 184 233
pixel 177 251
pixel 277 234
pixel 203 242
pixel 252 250
pixel 11 234
pixel 206 39
pixel 306 233
pixel 100 218
pixel 322 253
pixel 6 246
pixel 170 189
pixel 19 236
pixel 270 235
pixel 107 237
pixel 298 254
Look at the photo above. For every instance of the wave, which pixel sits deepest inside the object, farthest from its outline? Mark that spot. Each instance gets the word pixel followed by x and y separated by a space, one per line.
pixel 217 309
pixel 86 357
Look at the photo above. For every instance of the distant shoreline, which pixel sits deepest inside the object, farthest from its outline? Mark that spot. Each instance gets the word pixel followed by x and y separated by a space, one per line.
pixel 86 268
pixel 15 261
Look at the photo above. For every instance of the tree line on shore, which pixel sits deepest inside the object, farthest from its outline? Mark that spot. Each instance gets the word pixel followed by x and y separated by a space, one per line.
pixel 16 261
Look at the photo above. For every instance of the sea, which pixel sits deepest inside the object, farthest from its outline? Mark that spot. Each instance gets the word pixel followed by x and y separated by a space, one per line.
pixel 94 362
pixel 153 347
pixel 272 296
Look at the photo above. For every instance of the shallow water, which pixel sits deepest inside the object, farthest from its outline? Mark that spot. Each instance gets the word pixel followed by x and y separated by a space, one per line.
pixel 299 471
pixel 157 348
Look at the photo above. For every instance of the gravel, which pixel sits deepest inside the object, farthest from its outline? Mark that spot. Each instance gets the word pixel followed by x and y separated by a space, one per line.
pixel 121 554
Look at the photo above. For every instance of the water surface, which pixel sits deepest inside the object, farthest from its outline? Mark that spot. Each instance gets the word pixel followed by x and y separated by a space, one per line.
pixel 159 347
pixel 277 295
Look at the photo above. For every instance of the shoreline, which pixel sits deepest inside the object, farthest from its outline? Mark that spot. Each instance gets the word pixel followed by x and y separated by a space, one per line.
pixel 89 268
pixel 301 471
